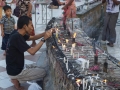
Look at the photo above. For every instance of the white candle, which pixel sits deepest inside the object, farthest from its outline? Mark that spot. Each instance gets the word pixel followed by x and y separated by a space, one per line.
pixel 78 55
pixel 86 84
pixel 73 55
pixel 67 65
pixel 73 45
pixel 91 81
pixel 93 88
pixel 89 88
pixel 63 47
pixel 64 60
pixel 71 51
pixel 67 41
pixel 88 63
pixel 83 84
pixel 82 48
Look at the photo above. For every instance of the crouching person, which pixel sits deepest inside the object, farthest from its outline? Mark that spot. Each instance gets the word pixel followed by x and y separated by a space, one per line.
pixel 15 53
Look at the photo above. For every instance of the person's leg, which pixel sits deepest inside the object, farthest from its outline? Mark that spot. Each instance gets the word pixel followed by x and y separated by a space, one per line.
pixel 112 25
pixel 4 43
pixel 33 42
pixel 17 84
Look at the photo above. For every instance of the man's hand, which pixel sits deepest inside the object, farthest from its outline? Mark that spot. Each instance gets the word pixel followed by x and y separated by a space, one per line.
pixel 2 34
pixel 49 33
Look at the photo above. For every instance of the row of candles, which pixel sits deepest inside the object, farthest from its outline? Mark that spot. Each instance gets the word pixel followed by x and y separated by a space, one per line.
pixel 90 79
pixel 84 63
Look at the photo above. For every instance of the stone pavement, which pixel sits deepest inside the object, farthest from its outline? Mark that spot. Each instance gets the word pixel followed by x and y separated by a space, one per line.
pixel 40 57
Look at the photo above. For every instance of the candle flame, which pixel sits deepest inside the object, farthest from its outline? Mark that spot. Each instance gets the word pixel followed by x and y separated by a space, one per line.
pixel 78 82
pixel 53 46
pixel 74 35
pixel 105 81
pixel 58 41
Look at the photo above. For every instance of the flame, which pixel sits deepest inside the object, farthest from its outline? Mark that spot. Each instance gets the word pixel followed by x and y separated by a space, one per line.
pixel 58 41
pixel 67 40
pixel 53 46
pixel 78 82
pixel 105 81
pixel 74 35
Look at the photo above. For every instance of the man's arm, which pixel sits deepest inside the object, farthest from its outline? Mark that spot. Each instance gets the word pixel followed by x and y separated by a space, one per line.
pixel 33 50
pixel 36 36
pixel 38 46
pixel 103 1
pixel 29 9
pixel 116 2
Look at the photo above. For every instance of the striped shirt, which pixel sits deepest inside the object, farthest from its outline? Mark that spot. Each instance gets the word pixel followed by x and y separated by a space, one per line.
pixel 8 24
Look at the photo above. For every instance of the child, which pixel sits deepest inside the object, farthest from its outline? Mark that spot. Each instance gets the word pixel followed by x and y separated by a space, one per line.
pixel 7 26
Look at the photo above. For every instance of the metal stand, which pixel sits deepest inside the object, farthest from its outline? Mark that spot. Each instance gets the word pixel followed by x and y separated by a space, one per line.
pixel 46 14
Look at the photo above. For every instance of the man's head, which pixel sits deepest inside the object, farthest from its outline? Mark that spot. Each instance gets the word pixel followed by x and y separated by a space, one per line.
pixel 25 22
pixel 7 10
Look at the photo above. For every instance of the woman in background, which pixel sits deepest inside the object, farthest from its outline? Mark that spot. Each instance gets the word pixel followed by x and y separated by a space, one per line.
pixel 26 9
pixel 69 10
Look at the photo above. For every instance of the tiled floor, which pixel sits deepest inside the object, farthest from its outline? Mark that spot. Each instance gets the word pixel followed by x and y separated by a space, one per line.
pixel 5 83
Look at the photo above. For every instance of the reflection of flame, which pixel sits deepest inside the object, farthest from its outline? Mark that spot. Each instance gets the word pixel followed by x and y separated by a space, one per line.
pixel 74 35
pixel 78 82
pixel 53 46
pixel 67 40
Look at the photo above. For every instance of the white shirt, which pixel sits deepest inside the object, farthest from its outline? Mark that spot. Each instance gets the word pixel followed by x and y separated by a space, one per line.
pixel 111 7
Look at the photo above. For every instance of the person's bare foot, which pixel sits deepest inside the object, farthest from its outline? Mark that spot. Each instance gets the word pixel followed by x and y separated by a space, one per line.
pixel 33 44
pixel 17 84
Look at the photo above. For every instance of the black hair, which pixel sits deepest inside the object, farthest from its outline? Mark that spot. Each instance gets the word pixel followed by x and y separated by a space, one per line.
pixel 23 20
pixel 6 7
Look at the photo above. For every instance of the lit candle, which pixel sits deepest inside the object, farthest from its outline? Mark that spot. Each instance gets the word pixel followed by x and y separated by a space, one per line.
pixel 67 41
pixel 73 45
pixel 71 51
pixel 105 81
pixel 78 82
pixel 63 47
pixel 57 32
pixel 58 41
pixel 73 38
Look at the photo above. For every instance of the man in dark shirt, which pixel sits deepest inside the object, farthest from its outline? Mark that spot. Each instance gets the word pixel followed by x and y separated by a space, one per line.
pixel 15 53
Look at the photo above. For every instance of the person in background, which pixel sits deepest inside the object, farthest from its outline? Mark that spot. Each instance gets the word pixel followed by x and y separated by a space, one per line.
pixel 7 26
pixel 16 47
pixel 112 12
pixel 55 4
pixel 69 10
pixel 1 5
pixel 26 9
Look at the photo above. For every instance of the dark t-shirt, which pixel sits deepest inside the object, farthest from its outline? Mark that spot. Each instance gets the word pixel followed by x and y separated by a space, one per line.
pixel 15 53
